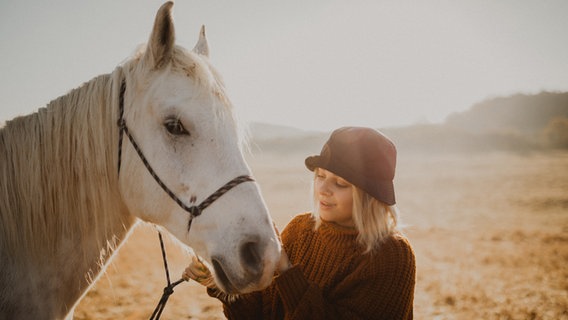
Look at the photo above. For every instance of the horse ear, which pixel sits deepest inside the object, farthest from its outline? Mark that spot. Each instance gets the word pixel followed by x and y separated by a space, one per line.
pixel 161 45
pixel 202 47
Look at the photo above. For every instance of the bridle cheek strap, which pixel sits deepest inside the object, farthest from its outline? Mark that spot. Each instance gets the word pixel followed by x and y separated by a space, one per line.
pixel 195 210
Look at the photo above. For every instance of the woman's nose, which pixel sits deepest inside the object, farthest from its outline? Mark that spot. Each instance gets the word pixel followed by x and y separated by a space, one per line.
pixel 323 188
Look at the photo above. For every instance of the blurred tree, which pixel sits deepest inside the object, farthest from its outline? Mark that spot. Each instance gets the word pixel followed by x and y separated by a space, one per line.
pixel 555 134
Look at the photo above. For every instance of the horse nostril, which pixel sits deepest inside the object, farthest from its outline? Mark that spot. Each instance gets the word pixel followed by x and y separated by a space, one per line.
pixel 250 257
pixel 223 278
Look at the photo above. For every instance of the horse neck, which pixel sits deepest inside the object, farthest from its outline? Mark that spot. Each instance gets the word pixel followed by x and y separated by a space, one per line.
pixel 69 170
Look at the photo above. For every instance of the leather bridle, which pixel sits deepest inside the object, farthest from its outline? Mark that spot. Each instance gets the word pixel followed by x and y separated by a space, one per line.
pixel 194 210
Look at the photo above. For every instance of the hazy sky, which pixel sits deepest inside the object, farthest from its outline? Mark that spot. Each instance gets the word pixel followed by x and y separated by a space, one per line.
pixel 303 63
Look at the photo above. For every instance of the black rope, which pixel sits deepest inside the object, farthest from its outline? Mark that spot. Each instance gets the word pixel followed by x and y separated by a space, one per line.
pixel 194 211
pixel 169 289
pixel 120 121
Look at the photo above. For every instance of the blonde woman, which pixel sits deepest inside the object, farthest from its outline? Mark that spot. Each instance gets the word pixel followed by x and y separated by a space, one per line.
pixel 347 259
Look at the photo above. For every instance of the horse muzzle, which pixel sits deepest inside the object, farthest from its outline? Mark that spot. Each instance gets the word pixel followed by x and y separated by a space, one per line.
pixel 254 270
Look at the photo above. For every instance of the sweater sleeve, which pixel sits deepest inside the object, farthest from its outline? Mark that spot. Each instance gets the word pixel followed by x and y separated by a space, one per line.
pixel 235 307
pixel 381 287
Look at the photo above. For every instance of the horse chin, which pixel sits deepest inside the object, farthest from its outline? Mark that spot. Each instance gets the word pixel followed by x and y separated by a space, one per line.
pixel 223 280
pixel 230 284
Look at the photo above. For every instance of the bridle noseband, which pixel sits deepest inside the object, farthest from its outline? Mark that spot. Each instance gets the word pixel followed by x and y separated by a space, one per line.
pixel 194 210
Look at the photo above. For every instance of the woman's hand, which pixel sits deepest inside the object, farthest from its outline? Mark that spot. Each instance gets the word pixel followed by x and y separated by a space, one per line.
pixel 198 272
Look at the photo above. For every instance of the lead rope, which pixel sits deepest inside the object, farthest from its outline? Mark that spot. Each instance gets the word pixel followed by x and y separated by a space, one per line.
pixel 194 211
pixel 169 289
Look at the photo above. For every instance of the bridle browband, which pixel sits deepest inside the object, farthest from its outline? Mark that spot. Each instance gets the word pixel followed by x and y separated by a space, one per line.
pixel 194 210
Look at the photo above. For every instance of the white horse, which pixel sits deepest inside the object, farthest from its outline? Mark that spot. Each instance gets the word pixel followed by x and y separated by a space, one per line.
pixel 65 208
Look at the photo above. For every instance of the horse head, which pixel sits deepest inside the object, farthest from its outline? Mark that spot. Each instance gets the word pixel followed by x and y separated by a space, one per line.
pixel 177 110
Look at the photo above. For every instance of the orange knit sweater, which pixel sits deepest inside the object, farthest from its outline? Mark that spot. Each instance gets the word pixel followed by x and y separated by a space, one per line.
pixel 331 278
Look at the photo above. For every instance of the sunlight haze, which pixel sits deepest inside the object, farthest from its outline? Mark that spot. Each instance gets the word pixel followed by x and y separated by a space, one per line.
pixel 309 64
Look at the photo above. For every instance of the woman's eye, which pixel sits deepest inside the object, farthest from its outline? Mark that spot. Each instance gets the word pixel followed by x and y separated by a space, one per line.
pixel 175 127
pixel 342 184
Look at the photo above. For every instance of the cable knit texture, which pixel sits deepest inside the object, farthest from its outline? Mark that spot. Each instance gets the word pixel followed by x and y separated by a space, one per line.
pixel 331 278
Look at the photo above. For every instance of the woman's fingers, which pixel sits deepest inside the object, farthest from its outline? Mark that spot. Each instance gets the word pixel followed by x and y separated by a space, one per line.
pixel 198 268
pixel 198 272
pixel 189 274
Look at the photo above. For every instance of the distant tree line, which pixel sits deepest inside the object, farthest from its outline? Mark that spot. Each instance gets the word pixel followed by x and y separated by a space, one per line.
pixel 518 123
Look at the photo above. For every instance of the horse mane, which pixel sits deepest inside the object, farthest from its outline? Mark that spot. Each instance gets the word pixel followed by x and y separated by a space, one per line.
pixel 58 178
pixel 58 166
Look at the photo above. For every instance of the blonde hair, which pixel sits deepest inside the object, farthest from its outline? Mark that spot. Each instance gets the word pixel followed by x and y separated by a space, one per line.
pixel 58 175
pixel 374 220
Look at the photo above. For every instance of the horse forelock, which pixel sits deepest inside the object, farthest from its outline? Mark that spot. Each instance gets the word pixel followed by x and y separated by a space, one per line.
pixel 58 174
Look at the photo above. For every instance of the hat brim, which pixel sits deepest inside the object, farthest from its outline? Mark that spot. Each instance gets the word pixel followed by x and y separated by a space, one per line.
pixel 313 162
pixel 380 190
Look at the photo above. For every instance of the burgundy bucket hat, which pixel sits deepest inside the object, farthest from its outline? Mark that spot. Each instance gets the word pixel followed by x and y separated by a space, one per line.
pixel 364 157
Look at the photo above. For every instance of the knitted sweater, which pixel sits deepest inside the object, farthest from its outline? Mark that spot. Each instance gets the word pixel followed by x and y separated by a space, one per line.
pixel 331 278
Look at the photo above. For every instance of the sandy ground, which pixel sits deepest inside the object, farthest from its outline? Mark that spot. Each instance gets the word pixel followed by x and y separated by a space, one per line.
pixel 490 233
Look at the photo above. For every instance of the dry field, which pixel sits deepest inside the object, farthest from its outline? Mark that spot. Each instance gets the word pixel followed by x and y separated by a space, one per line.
pixel 490 233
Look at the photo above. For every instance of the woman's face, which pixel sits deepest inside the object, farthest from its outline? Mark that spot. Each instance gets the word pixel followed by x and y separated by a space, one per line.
pixel 334 198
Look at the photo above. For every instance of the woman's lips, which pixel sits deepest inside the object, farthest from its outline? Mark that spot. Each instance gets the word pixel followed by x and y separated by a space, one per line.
pixel 325 205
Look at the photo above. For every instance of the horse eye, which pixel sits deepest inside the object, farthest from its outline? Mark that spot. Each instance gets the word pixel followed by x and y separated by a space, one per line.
pixel 175 127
